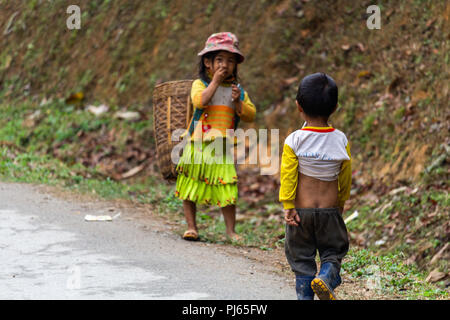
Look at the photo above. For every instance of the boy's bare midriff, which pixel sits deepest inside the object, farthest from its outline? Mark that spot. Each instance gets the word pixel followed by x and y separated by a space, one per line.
pixel 314 193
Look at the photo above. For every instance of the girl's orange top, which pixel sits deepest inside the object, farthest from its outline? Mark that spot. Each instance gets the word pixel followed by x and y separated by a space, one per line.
pixel 219 114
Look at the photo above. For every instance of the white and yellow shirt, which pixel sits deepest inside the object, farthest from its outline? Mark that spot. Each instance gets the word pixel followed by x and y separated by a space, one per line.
pixel 319 152
pixel 219 113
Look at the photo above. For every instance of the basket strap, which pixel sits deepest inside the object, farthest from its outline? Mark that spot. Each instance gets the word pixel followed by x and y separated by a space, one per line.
pixel 169 134
pixel 236 117
pixel 197 115
pixel 188 110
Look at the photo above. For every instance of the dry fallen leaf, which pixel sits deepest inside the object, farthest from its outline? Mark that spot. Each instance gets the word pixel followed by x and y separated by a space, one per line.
pixel 364 74
pixel 75 98
pixel 440 254
pixel 287 82
pixel 361 47
pixel 305 32
pixel 419 96
pixel 435 276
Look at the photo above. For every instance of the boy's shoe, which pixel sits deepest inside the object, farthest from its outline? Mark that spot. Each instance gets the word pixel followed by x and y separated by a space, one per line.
pixel 303 287
pixel 322 290
pixel 326 281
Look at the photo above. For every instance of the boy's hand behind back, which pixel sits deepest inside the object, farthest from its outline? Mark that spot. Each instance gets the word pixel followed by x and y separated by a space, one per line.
pixel 291 217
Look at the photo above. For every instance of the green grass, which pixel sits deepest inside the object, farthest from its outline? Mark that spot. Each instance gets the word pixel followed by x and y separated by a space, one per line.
pixel 389 274
pixel 41 169
pixel 421 211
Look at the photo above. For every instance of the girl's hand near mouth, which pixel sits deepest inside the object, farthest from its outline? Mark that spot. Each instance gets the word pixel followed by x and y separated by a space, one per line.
pixel 220 75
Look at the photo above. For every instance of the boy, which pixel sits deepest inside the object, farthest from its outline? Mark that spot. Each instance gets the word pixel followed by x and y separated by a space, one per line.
pixel 315 183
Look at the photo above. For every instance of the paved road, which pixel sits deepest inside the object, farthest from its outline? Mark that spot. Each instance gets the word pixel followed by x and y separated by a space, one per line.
pixel 48 251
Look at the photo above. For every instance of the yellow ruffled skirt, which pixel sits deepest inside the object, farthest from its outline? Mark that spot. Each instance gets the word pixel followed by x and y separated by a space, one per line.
pixel 206 176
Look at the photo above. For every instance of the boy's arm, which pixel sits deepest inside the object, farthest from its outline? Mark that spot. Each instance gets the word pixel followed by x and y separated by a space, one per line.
pixel 248 110
pixel 345 180
pixel 288 177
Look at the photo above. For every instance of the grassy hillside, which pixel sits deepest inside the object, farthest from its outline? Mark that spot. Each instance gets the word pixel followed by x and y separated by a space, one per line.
pixel 393 85
pixel 393 82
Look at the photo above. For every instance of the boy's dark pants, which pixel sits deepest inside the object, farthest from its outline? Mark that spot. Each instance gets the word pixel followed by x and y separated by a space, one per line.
pixel 319 229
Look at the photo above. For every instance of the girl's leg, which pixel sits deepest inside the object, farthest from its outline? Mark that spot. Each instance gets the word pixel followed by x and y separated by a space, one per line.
pixel 189 213
pixel 229 215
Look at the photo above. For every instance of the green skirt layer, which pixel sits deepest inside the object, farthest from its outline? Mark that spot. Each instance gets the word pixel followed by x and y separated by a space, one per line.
pixel 206 177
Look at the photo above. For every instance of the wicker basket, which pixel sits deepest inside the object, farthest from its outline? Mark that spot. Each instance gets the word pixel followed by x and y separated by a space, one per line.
pixel 172 109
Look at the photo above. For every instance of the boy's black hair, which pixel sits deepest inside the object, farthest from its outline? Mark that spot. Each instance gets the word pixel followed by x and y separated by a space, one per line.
pixel 317 95
pixel 202 71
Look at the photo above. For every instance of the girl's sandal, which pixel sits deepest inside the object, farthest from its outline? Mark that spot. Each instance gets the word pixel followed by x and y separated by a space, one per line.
pixel 191 235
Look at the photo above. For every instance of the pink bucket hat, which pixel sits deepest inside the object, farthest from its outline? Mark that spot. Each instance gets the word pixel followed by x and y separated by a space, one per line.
pixel 223 41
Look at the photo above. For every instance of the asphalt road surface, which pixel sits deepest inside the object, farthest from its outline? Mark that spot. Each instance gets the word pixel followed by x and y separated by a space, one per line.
pixel 48 251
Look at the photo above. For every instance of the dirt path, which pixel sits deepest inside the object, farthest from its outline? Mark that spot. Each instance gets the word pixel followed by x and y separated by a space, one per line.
pixel 48 251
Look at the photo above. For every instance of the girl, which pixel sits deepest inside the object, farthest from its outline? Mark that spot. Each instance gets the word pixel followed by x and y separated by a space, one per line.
pixel 219 103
